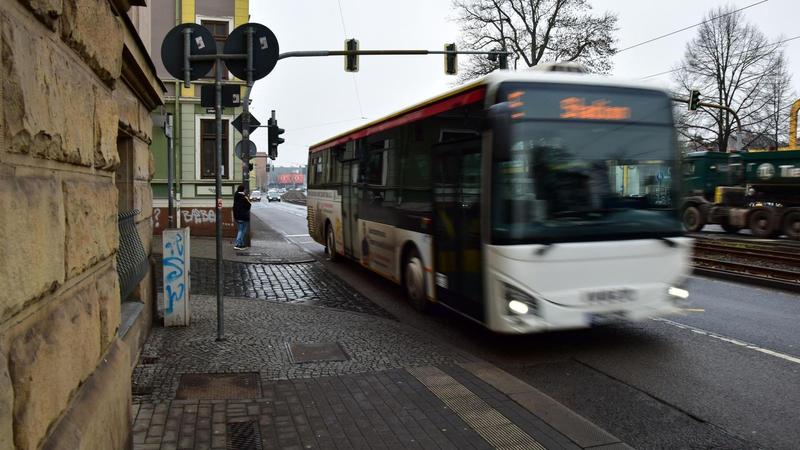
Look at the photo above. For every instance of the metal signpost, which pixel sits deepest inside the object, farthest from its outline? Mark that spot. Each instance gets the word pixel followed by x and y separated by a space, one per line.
pixel 251 51
pixel 189 51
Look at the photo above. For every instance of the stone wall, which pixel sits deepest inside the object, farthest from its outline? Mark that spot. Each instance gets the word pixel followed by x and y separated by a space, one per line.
pixel 64 100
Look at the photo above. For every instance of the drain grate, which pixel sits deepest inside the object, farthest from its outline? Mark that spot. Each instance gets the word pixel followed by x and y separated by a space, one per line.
pixel 244 436
pixel 146 360
pixel 218 386
pixel 301 353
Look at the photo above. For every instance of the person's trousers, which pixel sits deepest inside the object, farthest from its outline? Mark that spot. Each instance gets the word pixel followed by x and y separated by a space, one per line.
pixel 241 232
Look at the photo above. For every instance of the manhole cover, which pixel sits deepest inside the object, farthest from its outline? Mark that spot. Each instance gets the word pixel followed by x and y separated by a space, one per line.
pixel 301 353
pixel 244 436
pixel 218 386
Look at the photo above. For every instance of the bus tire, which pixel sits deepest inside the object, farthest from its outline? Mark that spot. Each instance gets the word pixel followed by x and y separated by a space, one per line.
pixel 761 223
pixel 791 225
pixel 414 281
pixel 692 219
pixel 330 244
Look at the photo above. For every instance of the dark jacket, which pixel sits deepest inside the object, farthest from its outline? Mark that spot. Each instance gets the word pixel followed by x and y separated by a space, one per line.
pixel 241 207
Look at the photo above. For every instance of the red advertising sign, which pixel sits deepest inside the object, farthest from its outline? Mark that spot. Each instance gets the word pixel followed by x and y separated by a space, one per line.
pixel 291 178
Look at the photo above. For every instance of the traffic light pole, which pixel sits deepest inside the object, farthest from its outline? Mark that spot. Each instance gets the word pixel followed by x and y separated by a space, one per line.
pixel 314 53
pixel 715 106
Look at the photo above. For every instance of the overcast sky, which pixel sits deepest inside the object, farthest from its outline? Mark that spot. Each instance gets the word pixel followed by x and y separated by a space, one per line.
pixel 314 98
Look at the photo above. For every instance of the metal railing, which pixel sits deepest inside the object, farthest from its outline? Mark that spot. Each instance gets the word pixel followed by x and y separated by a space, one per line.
pixel 132 260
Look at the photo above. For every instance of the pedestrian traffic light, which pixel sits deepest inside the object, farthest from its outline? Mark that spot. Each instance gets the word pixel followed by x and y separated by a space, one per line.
pixel 450 59
pixel 694 100
pixel 275 138
pixel 351 61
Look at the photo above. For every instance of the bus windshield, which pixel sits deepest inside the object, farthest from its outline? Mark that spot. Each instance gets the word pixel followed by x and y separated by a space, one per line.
pixel 566 180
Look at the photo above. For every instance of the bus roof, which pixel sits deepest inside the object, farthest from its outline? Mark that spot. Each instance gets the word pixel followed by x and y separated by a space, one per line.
pixel 491 81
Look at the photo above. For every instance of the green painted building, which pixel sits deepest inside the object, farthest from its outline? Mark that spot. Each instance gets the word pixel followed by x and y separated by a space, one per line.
pixel 194 125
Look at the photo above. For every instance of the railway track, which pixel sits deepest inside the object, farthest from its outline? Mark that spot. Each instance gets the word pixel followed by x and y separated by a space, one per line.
pixel 767 264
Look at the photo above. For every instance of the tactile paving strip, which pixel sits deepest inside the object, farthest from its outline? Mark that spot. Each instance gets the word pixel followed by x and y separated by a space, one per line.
pixel 493 426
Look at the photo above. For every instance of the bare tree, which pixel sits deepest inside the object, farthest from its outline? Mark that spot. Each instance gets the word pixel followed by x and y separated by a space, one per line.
pixel 535 31
pixel 733 64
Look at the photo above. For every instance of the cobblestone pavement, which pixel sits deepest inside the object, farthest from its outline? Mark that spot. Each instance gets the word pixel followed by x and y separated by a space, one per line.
pixel 257 334
pixel 387 409
pixel 302 283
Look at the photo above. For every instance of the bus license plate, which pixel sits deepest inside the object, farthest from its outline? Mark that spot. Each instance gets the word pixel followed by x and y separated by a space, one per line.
pixel 607 318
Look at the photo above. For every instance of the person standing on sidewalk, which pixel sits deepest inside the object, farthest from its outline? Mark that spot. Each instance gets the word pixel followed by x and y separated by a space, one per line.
pixel 241 213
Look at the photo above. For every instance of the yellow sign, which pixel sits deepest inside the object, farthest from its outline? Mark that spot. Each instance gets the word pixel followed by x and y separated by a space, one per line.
pixel 576 108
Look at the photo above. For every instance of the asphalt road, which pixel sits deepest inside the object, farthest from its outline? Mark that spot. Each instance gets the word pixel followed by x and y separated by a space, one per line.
pixel 724 375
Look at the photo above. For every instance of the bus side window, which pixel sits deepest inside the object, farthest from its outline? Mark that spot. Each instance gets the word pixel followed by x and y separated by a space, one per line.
pixel 376 165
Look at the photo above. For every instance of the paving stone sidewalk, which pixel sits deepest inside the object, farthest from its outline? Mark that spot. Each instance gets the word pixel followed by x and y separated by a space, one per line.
pixel 307 362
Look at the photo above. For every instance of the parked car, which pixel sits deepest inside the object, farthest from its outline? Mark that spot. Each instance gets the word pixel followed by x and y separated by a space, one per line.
pixel 273 196
pixel 255 196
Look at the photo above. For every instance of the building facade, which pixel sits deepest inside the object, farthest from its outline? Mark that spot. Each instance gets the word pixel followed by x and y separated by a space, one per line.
pixel 194 130
pixel 78 88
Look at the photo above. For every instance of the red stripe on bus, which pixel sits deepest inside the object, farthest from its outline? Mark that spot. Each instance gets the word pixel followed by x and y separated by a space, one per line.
pixel 464 99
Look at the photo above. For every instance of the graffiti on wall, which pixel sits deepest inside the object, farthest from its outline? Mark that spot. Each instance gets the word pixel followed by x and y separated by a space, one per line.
pixel 176 277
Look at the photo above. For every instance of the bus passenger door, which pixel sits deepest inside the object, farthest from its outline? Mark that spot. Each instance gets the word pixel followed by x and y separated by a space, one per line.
pixel 457 238
pixel 350 209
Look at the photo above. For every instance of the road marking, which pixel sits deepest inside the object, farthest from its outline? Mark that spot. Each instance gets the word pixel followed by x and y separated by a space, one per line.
pixel 297 235
pixel 694 309
pixel 720 337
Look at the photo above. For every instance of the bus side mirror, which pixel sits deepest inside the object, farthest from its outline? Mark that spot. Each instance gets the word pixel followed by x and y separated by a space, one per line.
pixel 498 121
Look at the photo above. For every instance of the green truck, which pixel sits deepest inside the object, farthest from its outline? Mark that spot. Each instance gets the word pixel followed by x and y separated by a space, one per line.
pixel 758 190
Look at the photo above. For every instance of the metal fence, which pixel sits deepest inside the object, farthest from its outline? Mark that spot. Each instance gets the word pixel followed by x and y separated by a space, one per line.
pixel 132 261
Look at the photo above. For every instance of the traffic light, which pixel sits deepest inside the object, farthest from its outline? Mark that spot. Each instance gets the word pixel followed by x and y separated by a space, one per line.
pixel 450 59
pixel 351 61
pixel 275 138
pixel 694 100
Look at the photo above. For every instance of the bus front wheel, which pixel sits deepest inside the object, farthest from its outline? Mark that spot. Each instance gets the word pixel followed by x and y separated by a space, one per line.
pixel 414 281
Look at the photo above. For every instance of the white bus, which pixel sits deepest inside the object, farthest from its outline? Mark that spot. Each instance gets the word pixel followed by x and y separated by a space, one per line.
pixel 526 201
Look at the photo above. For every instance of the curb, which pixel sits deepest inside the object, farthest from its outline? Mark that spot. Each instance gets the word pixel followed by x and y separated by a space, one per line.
pixel 576 428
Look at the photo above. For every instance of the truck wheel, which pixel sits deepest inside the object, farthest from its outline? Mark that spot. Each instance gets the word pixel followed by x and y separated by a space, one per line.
pixel 693 219
pixel 761 223
pixel 732 229
pixel 791 225
pixel 414 281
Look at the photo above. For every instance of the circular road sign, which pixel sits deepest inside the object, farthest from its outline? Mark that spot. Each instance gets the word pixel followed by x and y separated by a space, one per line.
pixel 200 43
pixel 265 51
pixel 238 150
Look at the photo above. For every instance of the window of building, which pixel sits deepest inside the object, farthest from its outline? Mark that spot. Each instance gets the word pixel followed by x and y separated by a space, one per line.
pixel 219 29
pixel 208 148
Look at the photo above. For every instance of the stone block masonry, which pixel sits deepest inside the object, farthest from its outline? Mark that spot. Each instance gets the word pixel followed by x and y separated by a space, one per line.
pixel 64 372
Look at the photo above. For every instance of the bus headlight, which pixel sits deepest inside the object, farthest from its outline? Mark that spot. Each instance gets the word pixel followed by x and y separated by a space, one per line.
pixel 518 302
pixel 681 294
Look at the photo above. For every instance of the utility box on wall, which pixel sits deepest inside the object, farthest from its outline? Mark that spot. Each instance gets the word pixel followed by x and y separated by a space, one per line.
pixel 176 277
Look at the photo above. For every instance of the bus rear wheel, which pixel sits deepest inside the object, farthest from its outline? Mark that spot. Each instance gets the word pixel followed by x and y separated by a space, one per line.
pixel 414 281
pixel 330 244
pixel 791 225
pixel 761 224
pixel 692 219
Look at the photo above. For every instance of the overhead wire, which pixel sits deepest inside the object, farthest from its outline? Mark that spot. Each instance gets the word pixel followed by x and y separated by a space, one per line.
pixel 689 27
pixel 775 44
